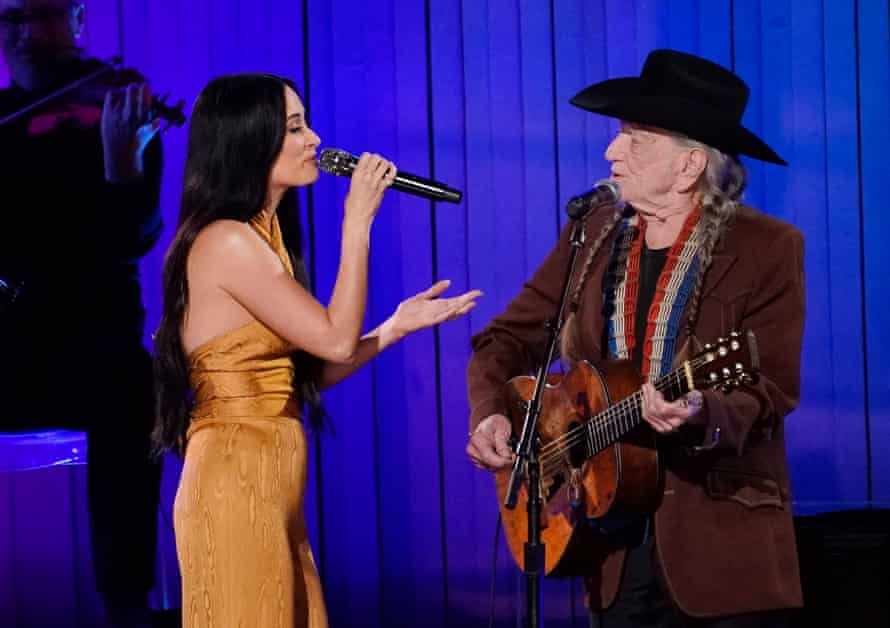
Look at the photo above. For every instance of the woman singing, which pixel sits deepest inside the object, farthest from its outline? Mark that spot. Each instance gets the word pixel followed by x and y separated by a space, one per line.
pixel 243 343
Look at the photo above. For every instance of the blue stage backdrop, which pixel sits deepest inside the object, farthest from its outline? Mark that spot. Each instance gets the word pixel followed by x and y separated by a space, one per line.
pixel 476 94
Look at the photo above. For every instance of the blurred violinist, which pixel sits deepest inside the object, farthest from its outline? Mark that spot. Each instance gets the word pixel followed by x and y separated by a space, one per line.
pixel 79 195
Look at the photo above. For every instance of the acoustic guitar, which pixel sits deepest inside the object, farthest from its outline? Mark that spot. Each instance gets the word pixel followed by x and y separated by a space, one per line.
pixel 599 463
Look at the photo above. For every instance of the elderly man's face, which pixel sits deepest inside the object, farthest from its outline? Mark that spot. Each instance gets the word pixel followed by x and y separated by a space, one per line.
pixel 37 31
pixel 643 165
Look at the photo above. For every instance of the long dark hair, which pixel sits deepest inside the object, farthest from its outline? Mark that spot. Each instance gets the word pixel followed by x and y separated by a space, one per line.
pixel 236 133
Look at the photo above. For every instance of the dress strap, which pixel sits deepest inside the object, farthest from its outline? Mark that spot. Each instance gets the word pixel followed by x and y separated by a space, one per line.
pixel 273 237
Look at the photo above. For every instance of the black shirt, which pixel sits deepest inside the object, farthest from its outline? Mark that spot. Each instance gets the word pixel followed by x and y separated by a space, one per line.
pixel 651 264
pixel 73 241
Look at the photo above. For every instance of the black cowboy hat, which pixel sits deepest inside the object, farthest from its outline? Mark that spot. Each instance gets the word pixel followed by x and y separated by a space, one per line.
pixel 686 94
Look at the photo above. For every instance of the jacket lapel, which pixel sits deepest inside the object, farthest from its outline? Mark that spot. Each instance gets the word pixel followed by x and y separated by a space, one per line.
pixel 720 265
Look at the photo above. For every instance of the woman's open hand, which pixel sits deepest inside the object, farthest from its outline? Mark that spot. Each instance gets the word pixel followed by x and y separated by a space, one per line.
pixel 427 308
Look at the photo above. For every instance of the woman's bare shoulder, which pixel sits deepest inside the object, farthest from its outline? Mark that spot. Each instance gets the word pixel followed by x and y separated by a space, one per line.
pixel 226 242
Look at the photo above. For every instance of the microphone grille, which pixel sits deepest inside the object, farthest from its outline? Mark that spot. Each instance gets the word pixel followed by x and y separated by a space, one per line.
pixel 612 188
pixel 604 192
pixel 337 162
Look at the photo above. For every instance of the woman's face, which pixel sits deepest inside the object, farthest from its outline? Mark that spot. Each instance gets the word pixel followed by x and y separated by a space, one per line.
pixel 296 163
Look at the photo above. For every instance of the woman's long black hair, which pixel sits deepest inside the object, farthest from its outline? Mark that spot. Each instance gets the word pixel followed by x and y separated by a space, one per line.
pixel 236 133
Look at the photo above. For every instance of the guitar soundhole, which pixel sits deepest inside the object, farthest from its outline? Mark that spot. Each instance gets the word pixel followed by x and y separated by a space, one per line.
pixel 571 457
pixel 556 482
pixel 578 452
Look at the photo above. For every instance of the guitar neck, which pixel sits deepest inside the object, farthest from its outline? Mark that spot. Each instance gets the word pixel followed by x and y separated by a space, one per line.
pixel 614 422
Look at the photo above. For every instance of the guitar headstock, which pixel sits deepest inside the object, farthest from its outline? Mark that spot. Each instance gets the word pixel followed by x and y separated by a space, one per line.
pixel 727 362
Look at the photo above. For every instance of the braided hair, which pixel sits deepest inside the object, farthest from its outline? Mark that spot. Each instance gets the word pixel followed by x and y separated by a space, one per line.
pixel 721 185
pixel 569 341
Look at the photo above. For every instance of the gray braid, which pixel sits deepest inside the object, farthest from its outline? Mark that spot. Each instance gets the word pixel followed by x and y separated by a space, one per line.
pixel 568 339
pixel 721 185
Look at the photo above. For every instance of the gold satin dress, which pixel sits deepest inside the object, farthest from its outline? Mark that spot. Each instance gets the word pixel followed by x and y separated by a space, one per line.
pixel 240 530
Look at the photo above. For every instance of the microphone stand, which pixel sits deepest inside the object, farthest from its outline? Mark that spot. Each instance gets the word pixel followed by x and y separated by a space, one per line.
pixel 527 449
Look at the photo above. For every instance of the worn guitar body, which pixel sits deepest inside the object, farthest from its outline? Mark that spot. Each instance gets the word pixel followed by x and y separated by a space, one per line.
pixel 599 465
pixel 619 482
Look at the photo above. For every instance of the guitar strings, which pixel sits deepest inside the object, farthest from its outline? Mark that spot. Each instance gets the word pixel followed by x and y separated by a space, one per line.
pixel 600 425
pixel 552 454
pixel 604 418
pixel 607 420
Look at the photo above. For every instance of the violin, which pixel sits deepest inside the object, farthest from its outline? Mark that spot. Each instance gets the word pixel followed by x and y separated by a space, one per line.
pixel 80 102
pixel 84 97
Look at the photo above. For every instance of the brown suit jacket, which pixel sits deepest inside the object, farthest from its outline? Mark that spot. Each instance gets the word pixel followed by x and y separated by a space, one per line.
pixel 724 531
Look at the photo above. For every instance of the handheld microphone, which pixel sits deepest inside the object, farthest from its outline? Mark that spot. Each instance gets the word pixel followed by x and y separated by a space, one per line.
pixel 605 192
pixel 341 163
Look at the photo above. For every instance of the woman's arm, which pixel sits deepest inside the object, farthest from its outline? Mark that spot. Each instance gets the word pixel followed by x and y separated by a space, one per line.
pixel 422 310
pixel 242 265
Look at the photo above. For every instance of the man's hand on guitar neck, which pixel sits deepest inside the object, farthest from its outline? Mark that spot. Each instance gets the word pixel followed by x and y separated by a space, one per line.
pixel 489 446
pixel 666 416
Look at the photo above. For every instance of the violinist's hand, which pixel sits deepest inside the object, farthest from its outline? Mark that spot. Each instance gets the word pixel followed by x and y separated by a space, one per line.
pixel 426 309
pixel 126 131
pixel 489 446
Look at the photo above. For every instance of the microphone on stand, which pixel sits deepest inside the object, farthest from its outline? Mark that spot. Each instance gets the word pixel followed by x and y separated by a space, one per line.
pixel 341 163
pixel 604 192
